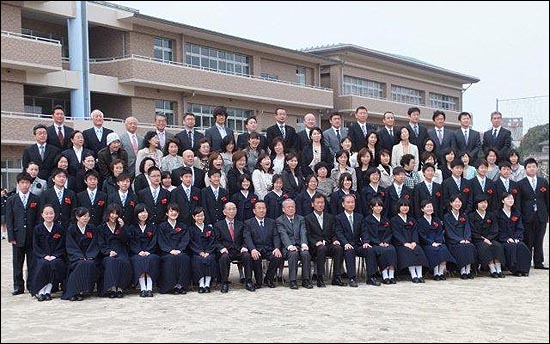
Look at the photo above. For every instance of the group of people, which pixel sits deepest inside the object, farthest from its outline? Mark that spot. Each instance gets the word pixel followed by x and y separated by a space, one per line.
pixel 91 209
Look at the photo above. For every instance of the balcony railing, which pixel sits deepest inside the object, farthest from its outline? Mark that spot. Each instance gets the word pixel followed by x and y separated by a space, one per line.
pixel 35 38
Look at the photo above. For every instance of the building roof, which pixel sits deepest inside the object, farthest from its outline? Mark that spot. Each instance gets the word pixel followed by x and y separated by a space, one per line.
pixel 390 57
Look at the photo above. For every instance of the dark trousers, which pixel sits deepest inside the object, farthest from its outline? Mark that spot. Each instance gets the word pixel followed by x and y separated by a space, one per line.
pixel 534 238
pixel 225 264
pixel 305 258
pixel 370 256
pixel 19 254
pixel 349 257
pixel 320 254
pixel 271 267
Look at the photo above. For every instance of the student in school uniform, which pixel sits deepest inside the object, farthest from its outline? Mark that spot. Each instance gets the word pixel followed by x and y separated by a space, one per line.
pixel 125 198
pixel 213 198
pixel 244 199
pixel 344 188
pixel 203 248
pixel 49 252
pixel 396 191
pixel 83 257
pixel 274 199
pixel 458 236
pixel 113 243
pixel 432 239
pixel 93 199
pixel 511 234
pixel 372 189
pixel 173 242
pixel 405 238
pixel 62 200
pixel 145 261
pixel 154 197
pixel 304 198
pixel 186 196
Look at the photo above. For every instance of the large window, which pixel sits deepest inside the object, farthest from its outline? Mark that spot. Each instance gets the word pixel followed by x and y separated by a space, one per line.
pixel 43 105
pixel 363 87
pixel 272 77
pixel 10 169
pixel 440 101
pixel 406 95
pixel 301 75
pixel 215 59
pixel 164 49
pixel 205 119
pixel 166 108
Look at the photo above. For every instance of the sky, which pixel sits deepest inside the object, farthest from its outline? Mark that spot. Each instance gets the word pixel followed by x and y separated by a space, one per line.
pixel 505 44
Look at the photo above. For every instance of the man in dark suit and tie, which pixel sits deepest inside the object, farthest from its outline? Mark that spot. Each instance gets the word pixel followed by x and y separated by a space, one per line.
pixel 155 197
pixel 388 136
pixel 40 152
pixel 187 196
pixel 93 199
pixel 263 241
pixel 213 198
pixel 456 185
pixel 281 129
pixel 95 138
pixel 292 229
pixel 231 246
pixel 428 189
pixel 497 137
pixel 189 137
pixel 63 200
pixel 467 139
pixel 304 136
pixel 333 135
pixel 321 233
pixel 442 138
pixel 216 133
pixel 419 133
pixel 59 135
pixel 251 124
pixel 22 214
pixel 358 131
pixel 534 210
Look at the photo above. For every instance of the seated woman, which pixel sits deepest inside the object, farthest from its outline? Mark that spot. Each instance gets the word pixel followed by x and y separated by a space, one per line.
pixel 458 235
pixel 431 233
pixel 304 198
pixel 83 256
pixel 344 187
pixel 510 225
pixel 203 248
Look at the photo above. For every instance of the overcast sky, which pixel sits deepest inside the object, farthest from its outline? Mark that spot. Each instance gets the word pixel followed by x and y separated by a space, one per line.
pixel 503 44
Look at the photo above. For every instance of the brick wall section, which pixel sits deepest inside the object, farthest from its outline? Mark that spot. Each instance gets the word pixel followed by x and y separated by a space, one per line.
pixel 13 75
pixel 11 18
pixel 12 152
pixel 12 99
pixel 105 42
pixel 43 53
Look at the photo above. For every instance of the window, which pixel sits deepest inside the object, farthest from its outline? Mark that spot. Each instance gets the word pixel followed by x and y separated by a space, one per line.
pixel 204 119
pixel 363 87
pixel 43 105
pixel 268 76
pixel 301 75
pixel 166 108
pixel 11 167
pixel 163 49
pixel 217 60
pixel 406 95
pixel 440 101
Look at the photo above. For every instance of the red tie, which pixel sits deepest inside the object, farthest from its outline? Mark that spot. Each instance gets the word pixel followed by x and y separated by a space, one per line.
pixel 60 136
pixel 134 144
pixel 231 231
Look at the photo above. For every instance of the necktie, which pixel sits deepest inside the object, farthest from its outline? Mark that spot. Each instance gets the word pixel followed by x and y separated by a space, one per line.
pixel 92 196
pixel 24 200
pixel 534 184
pixel 60 196
pixel 123 199
pixel 231 231
pixel 188 193
pixel 190 136
pixel 494 133
pixel 364 129
pixel 41 151
pixel 415 128
pixel 262 230
pixel 161 139
pixel 215 194
pixel 391 132
pixel 338 136
pixel 351 221
pixel 466 136
pixel 291 222
pixel 282 128
pixel 506 185
pixel 483 184
pixel 99 134
pixel 429 188
pixel 60 136
pixel 440 136
pixel 134 144
pixel 399 191
pixel 458 183
pixel 155 195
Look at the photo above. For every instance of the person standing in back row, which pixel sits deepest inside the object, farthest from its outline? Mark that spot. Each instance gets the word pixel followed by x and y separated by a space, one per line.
pixel 419 133
pixel 281 129
pixel 358 131
pixel 497 137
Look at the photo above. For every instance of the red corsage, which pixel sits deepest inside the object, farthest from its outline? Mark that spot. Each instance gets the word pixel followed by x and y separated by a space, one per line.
pixel 164 201
pixel 100 203
pixel 56 236
pixel 89 235
pixel 514 191
pixel 488 221
pixel 224 199
pixel 406 196
pixel 515 218
pixel 117 232
pixel 195 198
pixel 466 190
pixel 490 191
pixel 132 203
pixel 542 189
pixel 32 205
pixel 208 234
pixel 436 225
pixel 253 200
pixel 386 224
pixel 149 234
pixel 438 194
pixel 177 229
pixel 285 196
pixel 68 200
pixel 382 193
pixel 410 223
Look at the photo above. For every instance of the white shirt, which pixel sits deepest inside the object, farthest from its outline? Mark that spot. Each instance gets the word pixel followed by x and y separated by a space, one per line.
pixel 319 218
pixel 223 132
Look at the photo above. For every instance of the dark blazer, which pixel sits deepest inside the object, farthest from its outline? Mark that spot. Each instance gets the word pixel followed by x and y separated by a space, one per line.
pixel 244 205
pixel 414 139
pixel 356 135
pixel 157 211
pixel 421 193
pixel 186 205
pixel 173 238
pixel 223 238
pixel 472 147
pixel 530 198
pixel 46 166
pixel 97 209
pixel 213 136
pixel 315 233
pixel 457 230
pixel 404 232
pixel 242 141
pixel 213 208
pixel 439 148
pixel 91 142
pixel 510 227
pixel 490 192
pixel 513 188
pixel 105 158
pixel 274 204
pixel 430 232
pixel 303 140
pixel 185 143
pixel 202 241
pixel 74 164
pixel 255 240
pixel 53 139
pixel 197 172
pixel 390 208
pixel 336 202
pixel 63 211
pixel 109 241
pixel 20 220
pixel 127 208
pixel 502 143
pixel 367 194
pixel 290 186
pixel 303 203
pixel 483 228
pixel 450 188
pixel 233 180
pixel 81 246
pixel 49 243
pixel 375 232
pixel 344 232
pixel 70 184
pixel 143 241
pixel 385 141
pixel 291 138
pixel 307 157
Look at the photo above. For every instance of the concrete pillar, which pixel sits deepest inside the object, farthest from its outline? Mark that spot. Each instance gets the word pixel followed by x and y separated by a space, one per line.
pixel 79 60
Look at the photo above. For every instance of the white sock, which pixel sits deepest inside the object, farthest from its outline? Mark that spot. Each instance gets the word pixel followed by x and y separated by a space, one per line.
pixel 418 271
pixel 149 283
pixel 48 288
pixel 385 274
pixel 498 267
pixel 412 271
pixel 142 285
pixel 442 268
pixel 201 282
pixel 177 286
pixel 43 290
pixel 492 267
pixel 463 270
pixel 208 278
pixel 436 270
pixel 468 268
pixel 391 273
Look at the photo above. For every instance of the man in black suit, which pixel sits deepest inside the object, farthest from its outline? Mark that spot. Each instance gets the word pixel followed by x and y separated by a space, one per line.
pixel 263 241
pixel 428 189
pixel 231 246
pixel 442 138
pixel 197 175
pixel 321 234
pixel 419 133
pixel 40 152
pixel 388 136
pixel 59 134
pixel 214 198
pixel 304 136
pixel 189 137
pixel 534 210
pixel 358 131
pixel 63 200
pixel 216 133
pixel 95 138
pixel 497 137
pixel 155 197
pixel 467 139
pixel 22 214
pixel 251 125
pixel 281 129
pixel 186 196
pixel 93 199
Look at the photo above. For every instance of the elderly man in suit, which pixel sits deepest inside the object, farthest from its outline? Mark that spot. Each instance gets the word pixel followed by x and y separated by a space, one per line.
pixel 281 129
pixel 189 138
pixel 467 139
pixel 333 135
pixel 59 134
pixel 292 229
pixel 304 136
pixel 497 137
pixel 442 138
pixel 40 152
pixel 131 142
pixel 95 138
pixel 216 133
pixel 162 134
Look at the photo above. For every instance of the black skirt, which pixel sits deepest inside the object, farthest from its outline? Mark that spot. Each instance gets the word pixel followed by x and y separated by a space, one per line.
pixel 45 272
pixel 117 273
pixel 438 255
pixel 518 257
pixel 464 254
pixel 407 257
pixel 203 267
pixel 82 277
pixel 149 265
pixel 175 269
pixel 385 256
pixel 485 252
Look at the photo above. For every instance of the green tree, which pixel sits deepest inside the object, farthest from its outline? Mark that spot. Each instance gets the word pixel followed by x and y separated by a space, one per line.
pixel 531 140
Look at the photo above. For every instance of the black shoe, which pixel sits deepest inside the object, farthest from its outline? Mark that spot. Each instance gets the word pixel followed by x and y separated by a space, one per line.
pixel 48 297
pixel 307 284
pixel 143 293
pixel 242 280
pixel 258 285
pixel 463 276
pixel 494 274
pixel 73 298
pixel 150 292
pixel 525 274
pixel 442 277
pixel 225 288
pixel 79 297
pixel 437 278
pixel 517 274
pixel 206 289
pixel 280 279
pixel 41 298
pixel 541 267
pixel 393 281
pixel 314 277
pixel 17 292
pixel 501 274
pixel 415 280
pixel 202 290
pixel 353 283
pixel 337 281
pixel 321 282
pixel 269 283
pixel 421 280
pixel 386 281
pixel 250 286
pixel 373 281
pixel 119 294
pixel 112 294
pixel 470 276
pixel 293 285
